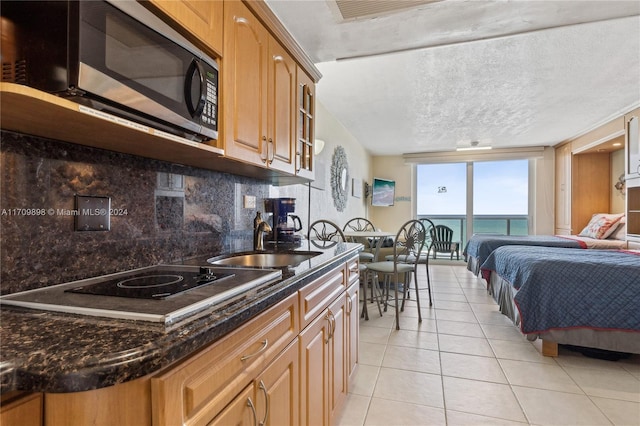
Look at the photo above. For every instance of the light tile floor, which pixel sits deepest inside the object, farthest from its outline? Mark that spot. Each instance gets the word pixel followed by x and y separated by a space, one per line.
pixel 467 364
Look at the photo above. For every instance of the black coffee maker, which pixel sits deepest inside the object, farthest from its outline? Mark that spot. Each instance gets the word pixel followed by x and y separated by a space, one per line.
pixel 284 232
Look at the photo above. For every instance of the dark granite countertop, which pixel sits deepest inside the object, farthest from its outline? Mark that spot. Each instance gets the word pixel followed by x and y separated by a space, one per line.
pixel 43 351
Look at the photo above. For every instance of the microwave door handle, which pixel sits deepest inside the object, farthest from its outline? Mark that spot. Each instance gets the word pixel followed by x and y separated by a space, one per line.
pixel 195 109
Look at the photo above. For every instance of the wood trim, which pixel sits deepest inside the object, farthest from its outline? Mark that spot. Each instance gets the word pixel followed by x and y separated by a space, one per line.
pixel 18 104
pixel 549 348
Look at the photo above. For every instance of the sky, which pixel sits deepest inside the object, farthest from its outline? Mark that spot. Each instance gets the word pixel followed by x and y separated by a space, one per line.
pixel 500 187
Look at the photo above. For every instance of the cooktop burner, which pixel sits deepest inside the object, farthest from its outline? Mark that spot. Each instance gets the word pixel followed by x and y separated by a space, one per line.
pixel 167 294
pixel 152 285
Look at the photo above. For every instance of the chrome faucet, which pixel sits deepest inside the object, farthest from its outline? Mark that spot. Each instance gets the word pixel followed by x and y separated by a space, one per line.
pixel 259 228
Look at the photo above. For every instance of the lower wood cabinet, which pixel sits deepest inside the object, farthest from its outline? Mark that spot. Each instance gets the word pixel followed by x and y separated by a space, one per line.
pixel 198 389
pixel 271 399
pixel 353 329
pixel 21 409
pixel 289 365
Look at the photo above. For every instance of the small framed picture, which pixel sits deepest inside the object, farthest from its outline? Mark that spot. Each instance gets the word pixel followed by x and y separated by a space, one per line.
pixel 356 189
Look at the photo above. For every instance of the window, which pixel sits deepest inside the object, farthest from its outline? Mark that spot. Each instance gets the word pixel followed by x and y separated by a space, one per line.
pixel 496 201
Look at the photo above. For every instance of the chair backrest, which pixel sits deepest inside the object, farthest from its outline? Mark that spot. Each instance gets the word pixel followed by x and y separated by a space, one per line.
pixel 428 226
pixel 409 241
pixel 324 233
pixel 441 237
pixel 359 224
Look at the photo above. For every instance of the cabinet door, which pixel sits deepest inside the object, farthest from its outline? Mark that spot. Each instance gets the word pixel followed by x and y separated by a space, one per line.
pixel 272 399
pixel 281 114
pixel 305 122
pixel 337 359
pixel 244 94
pixel 202 19
pixel 198 388
pixel 240 411
pixel 353 329
pixel 21 410
pixel 278 389
pixel 314 372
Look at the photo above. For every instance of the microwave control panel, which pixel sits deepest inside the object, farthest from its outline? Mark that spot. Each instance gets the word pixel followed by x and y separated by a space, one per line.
pixel 210 112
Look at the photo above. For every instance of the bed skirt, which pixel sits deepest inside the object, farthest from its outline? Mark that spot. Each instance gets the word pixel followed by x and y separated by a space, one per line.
pixel 473 265
pixel 611 340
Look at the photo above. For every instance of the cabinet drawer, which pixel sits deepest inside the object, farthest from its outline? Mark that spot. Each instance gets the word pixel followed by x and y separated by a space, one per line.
pixel 317 295
pixel 353 271
pixel 197 389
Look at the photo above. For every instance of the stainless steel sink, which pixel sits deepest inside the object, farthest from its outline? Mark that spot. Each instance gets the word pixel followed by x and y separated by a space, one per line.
pixel 265 260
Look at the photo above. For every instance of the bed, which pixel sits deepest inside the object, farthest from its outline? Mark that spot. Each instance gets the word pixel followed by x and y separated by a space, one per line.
pixel 588 298
pixel 480 246
pixel 604 231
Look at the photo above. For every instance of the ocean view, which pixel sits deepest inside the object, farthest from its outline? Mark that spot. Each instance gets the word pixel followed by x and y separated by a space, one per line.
pixel 505 225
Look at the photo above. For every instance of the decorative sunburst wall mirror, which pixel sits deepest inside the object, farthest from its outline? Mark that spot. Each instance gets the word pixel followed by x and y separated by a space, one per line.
pixel 339 178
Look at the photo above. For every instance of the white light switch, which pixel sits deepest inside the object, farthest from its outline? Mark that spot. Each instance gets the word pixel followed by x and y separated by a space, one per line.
pixel 249 202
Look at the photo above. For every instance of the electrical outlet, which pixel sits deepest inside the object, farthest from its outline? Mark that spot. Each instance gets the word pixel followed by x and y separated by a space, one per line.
pixel 249 202
pixel 92 213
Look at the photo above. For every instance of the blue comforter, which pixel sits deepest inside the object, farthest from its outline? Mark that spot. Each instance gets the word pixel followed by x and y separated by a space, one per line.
pixel 566 288
pixel 480 246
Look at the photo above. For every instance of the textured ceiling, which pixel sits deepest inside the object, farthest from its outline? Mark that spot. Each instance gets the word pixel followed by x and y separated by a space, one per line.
pixel 506 74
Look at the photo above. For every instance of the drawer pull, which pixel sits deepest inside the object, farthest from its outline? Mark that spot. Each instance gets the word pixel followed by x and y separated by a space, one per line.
pixel 253 410
pixel 265 159
pixel 263 388
pixel 264 346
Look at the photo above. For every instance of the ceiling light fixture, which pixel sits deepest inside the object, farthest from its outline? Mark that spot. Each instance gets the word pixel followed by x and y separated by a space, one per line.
pixel 475 146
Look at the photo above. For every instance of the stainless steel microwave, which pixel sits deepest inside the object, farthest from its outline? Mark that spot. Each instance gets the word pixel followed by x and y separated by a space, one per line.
pixel 113 56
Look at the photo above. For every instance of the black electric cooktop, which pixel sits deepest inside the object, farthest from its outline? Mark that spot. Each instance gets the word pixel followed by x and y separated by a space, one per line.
pixel 153 285
pixel 167 294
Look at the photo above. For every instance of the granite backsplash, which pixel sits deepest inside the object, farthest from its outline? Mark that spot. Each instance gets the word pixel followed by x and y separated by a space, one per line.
pixel 161 212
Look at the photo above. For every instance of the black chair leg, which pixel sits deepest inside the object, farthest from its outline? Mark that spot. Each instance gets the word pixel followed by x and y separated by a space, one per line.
pixel 395 293
pixel 415 282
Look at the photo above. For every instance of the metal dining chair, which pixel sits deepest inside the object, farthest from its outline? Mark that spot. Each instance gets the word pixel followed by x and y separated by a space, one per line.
pixel 325 233
pixel 407 249
pixel 360 224
pixel 423 258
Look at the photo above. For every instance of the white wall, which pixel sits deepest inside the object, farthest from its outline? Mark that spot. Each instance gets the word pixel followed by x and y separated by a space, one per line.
pixel 330 130
pixel 393 168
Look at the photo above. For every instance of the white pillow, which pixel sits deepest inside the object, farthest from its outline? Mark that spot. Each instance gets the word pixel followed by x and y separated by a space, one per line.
pixel 621 230
pixel 601 225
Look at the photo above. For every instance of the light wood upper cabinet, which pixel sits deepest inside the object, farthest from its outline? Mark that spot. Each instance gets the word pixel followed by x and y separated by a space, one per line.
pixel 305 125
pixel 282 106
pixel 259 89
pixel 202 19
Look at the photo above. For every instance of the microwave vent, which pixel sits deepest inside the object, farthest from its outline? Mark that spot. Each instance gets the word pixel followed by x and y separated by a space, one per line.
pixel 369 9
